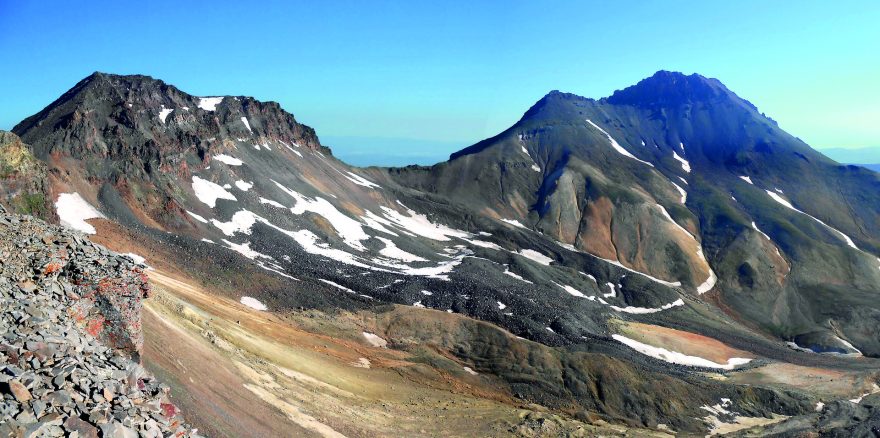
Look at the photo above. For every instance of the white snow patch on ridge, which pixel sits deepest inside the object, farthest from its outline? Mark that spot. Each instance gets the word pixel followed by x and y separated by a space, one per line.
pixel 246 124
pixel 241 222
pixel 337 285
pixel 73 211
pixel 209 103
pixel 243 186
pixel 708 284
pixel 375 340
pixel 164 112
pixel 678 358
pixel 747 179
pixel 253 303
pixel 535 256
pixel 271 202
pixel 516 276
pixel 350 230
pixel 514 222
pixel 197 217
pixel 617 147
pixel 646 310
pixel 682 192
pixel 574 292
pixel 392 251
pixel 784 202
pixel 209 192
pixel 228 160
pixel 420 224
pixel 359 180
pixel 684 163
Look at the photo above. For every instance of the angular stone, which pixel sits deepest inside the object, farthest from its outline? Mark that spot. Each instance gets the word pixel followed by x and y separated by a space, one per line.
pixel 84 429
pixel 115 429
pixel 19 391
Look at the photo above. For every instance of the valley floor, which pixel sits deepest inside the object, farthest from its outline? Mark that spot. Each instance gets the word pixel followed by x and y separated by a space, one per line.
pixel 241 372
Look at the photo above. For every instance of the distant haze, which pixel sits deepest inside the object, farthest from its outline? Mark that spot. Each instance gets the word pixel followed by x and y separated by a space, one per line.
pixel 391 152
pixel 868 155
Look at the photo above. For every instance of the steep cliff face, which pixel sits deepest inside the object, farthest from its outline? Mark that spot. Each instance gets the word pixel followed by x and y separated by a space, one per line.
pixel 70 337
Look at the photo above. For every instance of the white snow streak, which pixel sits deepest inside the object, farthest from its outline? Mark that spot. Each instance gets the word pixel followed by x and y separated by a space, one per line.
pixel 684 163
pixel 535 256
pixel 228 160
pixel 617 147
pixel 782 201
pixel 676 357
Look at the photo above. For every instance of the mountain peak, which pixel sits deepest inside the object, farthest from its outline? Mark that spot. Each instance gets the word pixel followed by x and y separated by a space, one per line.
pixel 668 88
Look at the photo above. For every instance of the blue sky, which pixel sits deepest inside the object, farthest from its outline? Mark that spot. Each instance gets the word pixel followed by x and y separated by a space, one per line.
pixel 417 80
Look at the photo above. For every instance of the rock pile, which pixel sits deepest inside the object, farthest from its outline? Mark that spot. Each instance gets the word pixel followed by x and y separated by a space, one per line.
pixel 69 340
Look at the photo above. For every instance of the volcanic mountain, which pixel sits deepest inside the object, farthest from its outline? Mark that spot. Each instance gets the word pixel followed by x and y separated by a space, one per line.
pixel 598 258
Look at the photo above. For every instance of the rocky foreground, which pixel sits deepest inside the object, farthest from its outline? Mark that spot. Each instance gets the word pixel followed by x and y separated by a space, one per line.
pixel 70 338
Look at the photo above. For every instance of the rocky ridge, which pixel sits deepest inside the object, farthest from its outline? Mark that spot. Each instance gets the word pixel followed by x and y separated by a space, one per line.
pixel 69 346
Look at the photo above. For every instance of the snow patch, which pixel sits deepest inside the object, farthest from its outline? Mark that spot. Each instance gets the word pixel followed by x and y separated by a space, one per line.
pixel 391 250
pixel 375 340
pixel 209 192
pixel 574 292
pixel 164 112
pixel 647 310
pixel 197 217
pixel 73 211
pixel 361 181
pixel 246 124
pixel 515 223
pixel 535 256
pixel 419 224
pixel 253 303
pixel 516 276
pixel 684 163
pixel 209 103
pixel 271 202
pixel 676 357
pixel 682 192
pixel 747 179
pixel 337 285
pixel 243 186
pixel 228 160
pixel 708 284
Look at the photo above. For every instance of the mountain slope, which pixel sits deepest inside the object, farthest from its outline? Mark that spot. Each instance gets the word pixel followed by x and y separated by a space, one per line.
pixel 599 230
pixel 782 226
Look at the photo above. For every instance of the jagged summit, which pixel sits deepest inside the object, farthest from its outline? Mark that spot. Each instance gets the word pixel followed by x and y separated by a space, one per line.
pixel 671 89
